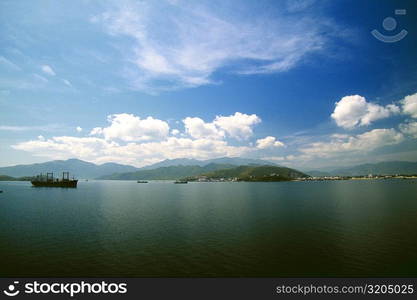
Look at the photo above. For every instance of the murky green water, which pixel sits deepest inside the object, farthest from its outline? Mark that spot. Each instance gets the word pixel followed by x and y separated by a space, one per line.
pixel 122 228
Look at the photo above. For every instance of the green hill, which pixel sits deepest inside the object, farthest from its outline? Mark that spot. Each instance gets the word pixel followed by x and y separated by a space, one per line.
pixel 252 173
pixel 10 178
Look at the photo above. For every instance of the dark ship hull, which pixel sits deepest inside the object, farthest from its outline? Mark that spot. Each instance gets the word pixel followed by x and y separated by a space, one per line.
pixel 63 184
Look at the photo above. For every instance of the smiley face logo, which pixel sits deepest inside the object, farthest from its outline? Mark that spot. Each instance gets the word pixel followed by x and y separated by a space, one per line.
pixel 390 24
pixel 11 290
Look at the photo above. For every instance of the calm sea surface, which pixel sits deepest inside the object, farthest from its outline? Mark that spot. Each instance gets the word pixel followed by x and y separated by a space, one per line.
pixel 122 228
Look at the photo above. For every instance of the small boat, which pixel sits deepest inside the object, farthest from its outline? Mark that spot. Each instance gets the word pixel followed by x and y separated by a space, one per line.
pixel 142 181
pixel 180 181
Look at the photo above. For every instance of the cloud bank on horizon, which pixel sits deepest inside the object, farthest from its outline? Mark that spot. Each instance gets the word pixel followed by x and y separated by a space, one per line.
pixel 130 139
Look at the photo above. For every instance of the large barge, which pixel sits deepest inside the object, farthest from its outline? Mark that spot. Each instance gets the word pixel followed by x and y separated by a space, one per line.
pixel 50 181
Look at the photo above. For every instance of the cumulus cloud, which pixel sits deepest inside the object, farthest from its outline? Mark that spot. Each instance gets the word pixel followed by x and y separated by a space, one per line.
pixel 79 129
pixel 175 132
pixel 197 128
pixel 268 142
pixel 99 150
pixel 353 111
pixel 410 105
pixel 128 127
pixel 176 46
pixel 238 126
pixel 364 142
pixel 409 128
pixel 48 70
pixel 130 139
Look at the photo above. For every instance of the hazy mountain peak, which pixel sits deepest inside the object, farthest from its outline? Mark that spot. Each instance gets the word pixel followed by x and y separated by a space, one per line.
pixel 76 167
pixel 237 161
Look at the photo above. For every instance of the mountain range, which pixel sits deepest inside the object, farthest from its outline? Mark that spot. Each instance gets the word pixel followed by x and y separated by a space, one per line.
pixel 167 173
pixel 83 169
pixel 177 167
pixel 76 167
pixel 236 161
pixel 382 168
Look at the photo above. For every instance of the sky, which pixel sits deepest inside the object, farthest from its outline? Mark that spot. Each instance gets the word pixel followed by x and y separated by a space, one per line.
pixel 300 83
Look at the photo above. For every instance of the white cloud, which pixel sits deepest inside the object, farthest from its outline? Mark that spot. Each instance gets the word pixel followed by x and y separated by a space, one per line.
pixel 176 46
pixel 197 128
pixel 274 158
pixel 96 131
pixel 364 142
pixel 67 82
pixel 238 126
pixel 128 127
pixel 175 132
pixel 353 111
pixel 48 70
pixel 410 105
pixel 409 128
pixel 65 147
pixel 99 150
pixel 268 142
pixel 130 139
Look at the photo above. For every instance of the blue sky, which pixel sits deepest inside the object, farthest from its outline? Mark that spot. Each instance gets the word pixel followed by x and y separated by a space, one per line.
pixel 299 83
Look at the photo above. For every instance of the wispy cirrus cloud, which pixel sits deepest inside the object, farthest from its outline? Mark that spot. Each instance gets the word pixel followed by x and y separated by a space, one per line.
pixel 49 127
pixel 176 46
pixel 9 64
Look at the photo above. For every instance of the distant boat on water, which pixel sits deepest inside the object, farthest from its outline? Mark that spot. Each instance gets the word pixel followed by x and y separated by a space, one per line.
pixel 50 181
pixel 142 181
pixel 180 181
